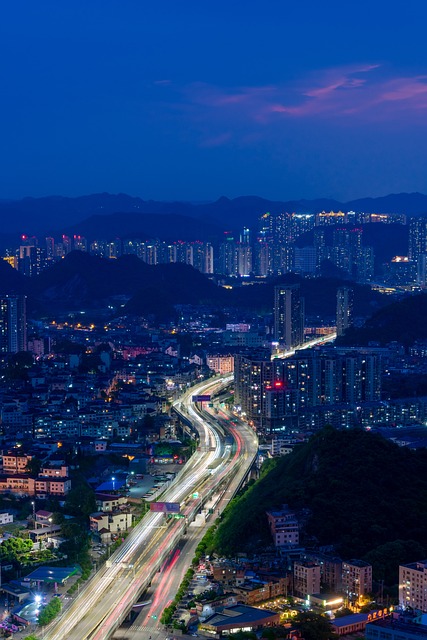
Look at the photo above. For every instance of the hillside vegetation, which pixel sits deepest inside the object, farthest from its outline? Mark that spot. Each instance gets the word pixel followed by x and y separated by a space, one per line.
pixel 82 281
pixel 361 492
pixel 403 321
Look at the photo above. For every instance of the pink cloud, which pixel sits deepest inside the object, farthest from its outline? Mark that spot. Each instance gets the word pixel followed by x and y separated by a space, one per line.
pixel 408 89
pixel 341 79
pixel 366 91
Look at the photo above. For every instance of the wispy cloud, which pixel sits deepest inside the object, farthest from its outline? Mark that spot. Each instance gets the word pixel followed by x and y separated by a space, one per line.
pixel 413 91
pixel 367 92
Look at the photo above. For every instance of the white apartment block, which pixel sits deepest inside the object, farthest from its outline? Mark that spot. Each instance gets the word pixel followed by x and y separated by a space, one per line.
pixel 306 578
pixel 413 585
pixel 356 578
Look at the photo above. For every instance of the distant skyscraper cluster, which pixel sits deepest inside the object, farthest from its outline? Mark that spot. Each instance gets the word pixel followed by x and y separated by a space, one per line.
pixel 326 243
pixel 282 242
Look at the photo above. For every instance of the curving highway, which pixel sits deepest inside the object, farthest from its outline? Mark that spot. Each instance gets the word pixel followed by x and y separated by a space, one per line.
pixel 103 604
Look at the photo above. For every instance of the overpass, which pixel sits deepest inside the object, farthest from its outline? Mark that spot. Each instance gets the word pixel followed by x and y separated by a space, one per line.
pixel 213 470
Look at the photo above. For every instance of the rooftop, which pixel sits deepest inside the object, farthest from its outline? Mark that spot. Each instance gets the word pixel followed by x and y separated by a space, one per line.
pixel 353 618
pixel 399 624
pixel 52 574
pixel 239 613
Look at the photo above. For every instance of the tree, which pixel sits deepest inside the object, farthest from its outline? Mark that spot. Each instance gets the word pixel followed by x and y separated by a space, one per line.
pixel 314 626
pixel 80 501
pixel 268 634
pixel 386 557
pixel 33 467
pixel 50 611
pixel 77 541
pixel 344 611
pixel 15 549
pixel 18 365
pixel 58 518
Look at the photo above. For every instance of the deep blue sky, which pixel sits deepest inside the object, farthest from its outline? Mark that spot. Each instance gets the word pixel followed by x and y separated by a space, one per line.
pixel 194 100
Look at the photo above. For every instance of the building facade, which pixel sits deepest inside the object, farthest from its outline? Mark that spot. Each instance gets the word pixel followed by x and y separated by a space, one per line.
pixel 13 324
pixel 413 585
pixel 356 579
pixel 288 315
pixel 284 526
pixel 344 309
pixel 306 578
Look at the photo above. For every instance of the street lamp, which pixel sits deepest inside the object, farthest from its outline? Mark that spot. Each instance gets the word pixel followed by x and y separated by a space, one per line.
pixel 113 479
pixel 34 511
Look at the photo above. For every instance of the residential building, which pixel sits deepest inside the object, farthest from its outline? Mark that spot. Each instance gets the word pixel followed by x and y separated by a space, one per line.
pixel 253 592
pixel 14 462
pixel 273 394
pixel 407 625
pixel 306 578
pixel 21 485
pixel 288 315
pixel 43 518
pixel 228 573
pixel 222 364
pixel 417 237
pixel 57 486
pixel 305 260
pixel 356 579
pixel 54 472
pixel 111 522
pixel 330 571
pixel 284 526
pixel 252 376
pixel 413 585
pixel 344 309
pixel 109 502
pixel 13 324
pixel 5 518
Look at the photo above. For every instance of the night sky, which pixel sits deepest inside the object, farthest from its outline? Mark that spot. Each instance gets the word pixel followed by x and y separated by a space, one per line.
pixel 194 100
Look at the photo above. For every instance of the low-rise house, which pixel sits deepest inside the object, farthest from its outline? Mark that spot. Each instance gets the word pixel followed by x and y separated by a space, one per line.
pixel 253 592
pixel 111 522
pixel 228 573
pixel 6 518
pixel 18 484
pixel 109 502
pixel 15 462
pixel 24 485
pixel 284 526
pixel 43 519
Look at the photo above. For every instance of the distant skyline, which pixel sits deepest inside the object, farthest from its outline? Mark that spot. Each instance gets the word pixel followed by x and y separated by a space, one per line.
pixel 191 101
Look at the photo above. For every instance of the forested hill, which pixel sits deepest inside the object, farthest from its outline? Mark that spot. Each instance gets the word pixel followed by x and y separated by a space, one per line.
pixel 403 321
pixel 361 491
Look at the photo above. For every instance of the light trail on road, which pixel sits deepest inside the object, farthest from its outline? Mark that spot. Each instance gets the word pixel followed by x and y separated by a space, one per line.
pixel 110 592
